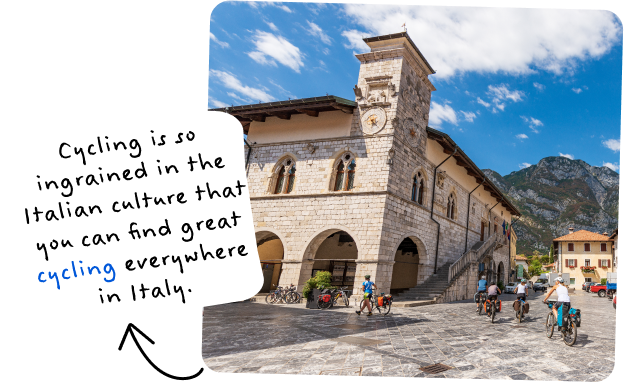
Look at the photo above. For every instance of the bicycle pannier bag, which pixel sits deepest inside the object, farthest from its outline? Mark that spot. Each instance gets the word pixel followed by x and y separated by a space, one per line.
pixel 526 308
pixel 487 305
pixel 380 301
pixel 476 298
pixel 500 306
pixel 516 306
pixel 326 298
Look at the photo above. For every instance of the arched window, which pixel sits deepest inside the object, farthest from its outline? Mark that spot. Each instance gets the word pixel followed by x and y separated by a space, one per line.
pixel 345 173
pixel 450 207
pixel 285 177
pixel 418 188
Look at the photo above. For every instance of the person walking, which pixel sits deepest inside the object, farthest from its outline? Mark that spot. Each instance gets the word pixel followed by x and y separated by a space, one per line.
pixel 367 287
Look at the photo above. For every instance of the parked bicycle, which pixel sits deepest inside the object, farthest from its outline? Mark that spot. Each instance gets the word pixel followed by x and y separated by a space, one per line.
pixel 325 298
pixel 287 295
pixel 382 303
pixel 569 323
pixel 338 294
pixel 492 307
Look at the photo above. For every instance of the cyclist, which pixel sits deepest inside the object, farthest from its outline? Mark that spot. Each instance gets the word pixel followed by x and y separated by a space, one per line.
pixel 521 290
pixel 563 299
pixel 493 292
pixel 481 288
pixel 367 287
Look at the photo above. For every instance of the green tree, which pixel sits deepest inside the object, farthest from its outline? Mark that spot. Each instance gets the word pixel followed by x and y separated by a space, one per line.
pixel 551 254
pixel 535 268
pixel 536 254
pixel 545 259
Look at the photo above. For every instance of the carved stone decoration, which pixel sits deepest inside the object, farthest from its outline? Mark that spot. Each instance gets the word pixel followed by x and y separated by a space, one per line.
pixel 373 120
pixel 396 123
pixel 440 179
pixel 310 148
pixel 412 132
pixel 392 90
pixel 425 117
pixel 390 156
pixel 358 93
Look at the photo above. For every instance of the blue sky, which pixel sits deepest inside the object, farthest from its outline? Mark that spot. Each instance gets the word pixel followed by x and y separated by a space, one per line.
pixel 513 86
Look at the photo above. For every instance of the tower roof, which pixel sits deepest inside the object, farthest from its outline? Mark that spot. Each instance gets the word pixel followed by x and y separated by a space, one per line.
pixel 394 36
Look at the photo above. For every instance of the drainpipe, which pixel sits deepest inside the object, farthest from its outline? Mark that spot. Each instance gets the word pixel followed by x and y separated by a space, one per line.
pixel 435 172
pixel 510 226
pixel 248 153
pixel 468 218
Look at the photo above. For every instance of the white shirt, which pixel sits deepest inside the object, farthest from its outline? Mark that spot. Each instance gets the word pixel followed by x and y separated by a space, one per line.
pixel 562 294
pixel 521 289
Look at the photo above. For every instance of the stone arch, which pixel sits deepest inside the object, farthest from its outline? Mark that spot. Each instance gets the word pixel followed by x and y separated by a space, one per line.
pixel 341 157
pixel 409 269
pixel 500 272
pixel 425 183
pixel 452 204
pixel 271 251
pixel 329 261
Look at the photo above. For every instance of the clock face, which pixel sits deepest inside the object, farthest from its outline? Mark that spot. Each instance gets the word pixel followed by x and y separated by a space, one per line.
pixel 373 120
pixel 412 133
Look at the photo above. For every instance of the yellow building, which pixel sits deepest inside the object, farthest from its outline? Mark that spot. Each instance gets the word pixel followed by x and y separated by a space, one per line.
pixel 586 256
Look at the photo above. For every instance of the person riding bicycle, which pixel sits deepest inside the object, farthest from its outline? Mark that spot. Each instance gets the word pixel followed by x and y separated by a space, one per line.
pixel 481 288
pixel 563 299
pixel 493 292
pixel 367 287
pixel 521 290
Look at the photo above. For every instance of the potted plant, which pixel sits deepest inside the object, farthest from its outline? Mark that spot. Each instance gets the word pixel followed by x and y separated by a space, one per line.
pixel 588 269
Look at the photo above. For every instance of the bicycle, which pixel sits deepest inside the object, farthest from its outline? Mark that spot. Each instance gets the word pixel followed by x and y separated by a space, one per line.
pixel 325 299
pixel 275 296
pixel 340 293
pixel 520 309
pixel 291 295
pixel 491 309
pixel 568 330
pixel 481 298
pixel 383 308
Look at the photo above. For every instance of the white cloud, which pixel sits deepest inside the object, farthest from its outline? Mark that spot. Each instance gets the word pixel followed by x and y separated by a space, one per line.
pixel 218 103
pixel 237 97
pixel 271 48
pixel 480 101
pixel 533 123
pixel 569 156
pixel 326 51
pixel 271 25
pixel 577 90
pixel 522 136
pixel 316 31
pixel 500 93
pixel 439 113
pixel 495 40
pixel 612 144
pixel 468 116
pixel 262 4
pixel 524 165
pixel 223 44
pixel 355 40
pixel 612 166
pixel 231 82
pixel 539 86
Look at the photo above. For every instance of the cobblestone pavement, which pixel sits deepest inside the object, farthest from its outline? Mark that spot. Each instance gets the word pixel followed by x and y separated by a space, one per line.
pixel 258 338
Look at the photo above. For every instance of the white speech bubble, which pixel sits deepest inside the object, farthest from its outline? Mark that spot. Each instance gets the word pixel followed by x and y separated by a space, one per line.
pixel 110 171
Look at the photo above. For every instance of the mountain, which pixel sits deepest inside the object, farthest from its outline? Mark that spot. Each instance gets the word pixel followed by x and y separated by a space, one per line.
pixel 556 194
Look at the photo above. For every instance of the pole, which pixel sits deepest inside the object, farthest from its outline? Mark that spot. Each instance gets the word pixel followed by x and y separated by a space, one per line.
pixel 468 217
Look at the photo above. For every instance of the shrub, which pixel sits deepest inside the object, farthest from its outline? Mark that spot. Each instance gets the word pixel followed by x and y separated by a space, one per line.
pixel 322 278
pixel 501 286
pixel 603 281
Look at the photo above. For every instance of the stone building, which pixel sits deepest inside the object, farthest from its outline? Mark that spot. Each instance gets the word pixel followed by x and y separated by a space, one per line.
pixel 586 256
pixel 366 187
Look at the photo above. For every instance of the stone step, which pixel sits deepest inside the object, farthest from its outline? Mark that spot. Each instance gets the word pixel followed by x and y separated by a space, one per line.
pixel 413 303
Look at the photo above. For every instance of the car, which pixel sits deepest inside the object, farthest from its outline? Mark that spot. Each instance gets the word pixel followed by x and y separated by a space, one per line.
pixel 587 285
pixel 541 285
pixel 510 287
pixel 600 289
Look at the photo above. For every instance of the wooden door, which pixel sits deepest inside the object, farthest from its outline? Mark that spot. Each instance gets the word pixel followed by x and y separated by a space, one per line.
pixel 482 230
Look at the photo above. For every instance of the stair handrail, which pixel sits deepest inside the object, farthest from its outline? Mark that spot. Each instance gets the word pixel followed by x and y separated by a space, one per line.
pixel 470 256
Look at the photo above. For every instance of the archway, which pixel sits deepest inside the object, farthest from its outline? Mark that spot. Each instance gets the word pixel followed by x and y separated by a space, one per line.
pixel 337 254
pixel 271 252
pixel 405 269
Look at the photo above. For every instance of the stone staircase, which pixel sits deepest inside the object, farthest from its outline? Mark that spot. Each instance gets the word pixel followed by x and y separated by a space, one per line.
pixel 433 287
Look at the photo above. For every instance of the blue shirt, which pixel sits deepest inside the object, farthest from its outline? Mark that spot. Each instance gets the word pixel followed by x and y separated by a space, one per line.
pixel 482 285
pixel 368 287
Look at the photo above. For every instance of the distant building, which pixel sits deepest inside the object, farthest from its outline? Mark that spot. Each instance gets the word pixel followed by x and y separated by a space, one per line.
pixel 614 249
pixel 587 256
pixel 552 268
pixel 522 267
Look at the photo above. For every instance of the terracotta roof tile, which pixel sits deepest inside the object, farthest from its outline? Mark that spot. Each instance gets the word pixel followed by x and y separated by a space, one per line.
pixel 582 236
pixel 520 258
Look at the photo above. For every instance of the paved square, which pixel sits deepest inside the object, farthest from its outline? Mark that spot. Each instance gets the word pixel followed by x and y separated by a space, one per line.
pixel 280 339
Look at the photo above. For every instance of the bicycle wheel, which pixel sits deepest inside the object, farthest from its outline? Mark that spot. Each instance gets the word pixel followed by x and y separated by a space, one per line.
pixel 385 309
pixel 519 315
pixel 297 297
pixel 493 312
pixel 270 299
pixel 345 299
pixel 569 337
pixel 290 298
pixel 550 325
pixel 481 308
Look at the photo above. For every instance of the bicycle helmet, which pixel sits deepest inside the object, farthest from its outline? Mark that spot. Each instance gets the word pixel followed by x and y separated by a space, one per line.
pixel 492 283
pixel 523 281
pixel 483 277
pixel 559 279
pixel 367 277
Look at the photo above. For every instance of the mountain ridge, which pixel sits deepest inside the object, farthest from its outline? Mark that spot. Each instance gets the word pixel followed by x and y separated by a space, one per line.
pixel 558 193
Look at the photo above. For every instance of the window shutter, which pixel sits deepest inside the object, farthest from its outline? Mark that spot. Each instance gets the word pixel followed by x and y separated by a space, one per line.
pixel 587 247
pixel 600 263
pixel 575 263
pixel 608 263
pixel 603 247
pixel 570 247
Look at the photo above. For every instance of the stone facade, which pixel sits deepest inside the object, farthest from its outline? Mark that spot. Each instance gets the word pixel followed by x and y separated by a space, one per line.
pixel 389 142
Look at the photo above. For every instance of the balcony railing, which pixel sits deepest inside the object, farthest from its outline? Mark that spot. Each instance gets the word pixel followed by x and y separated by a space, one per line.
pixel 472 255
